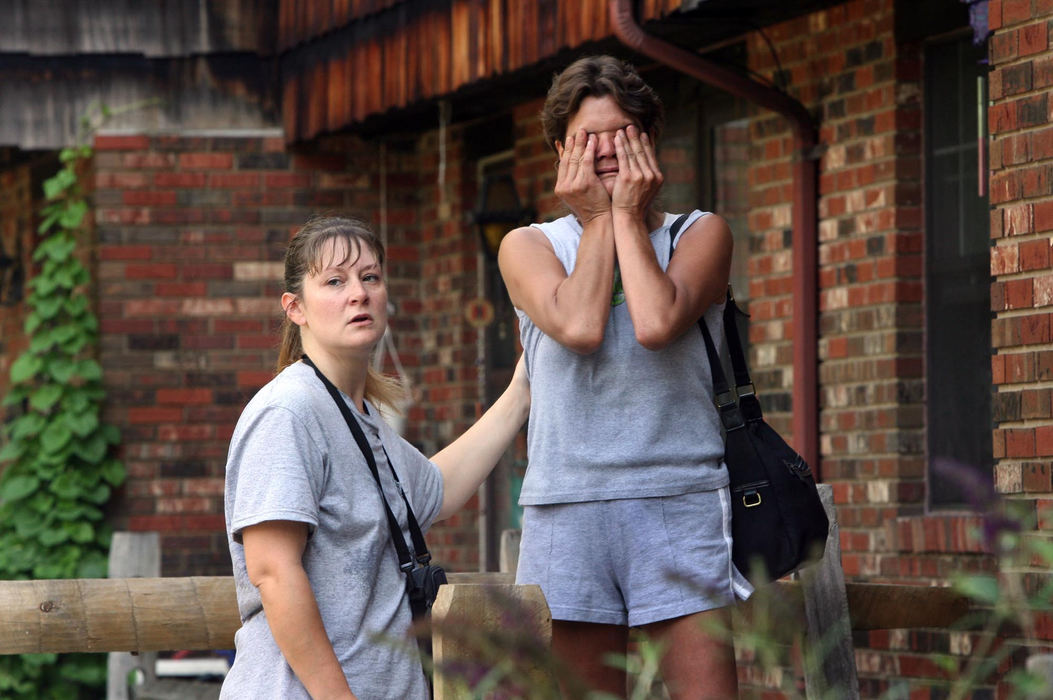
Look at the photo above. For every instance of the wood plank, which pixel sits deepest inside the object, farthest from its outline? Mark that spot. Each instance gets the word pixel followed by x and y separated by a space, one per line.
pixel 200 613
pixel 830 662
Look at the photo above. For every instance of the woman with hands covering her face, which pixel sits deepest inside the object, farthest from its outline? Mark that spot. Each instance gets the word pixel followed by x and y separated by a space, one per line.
pixel 626 505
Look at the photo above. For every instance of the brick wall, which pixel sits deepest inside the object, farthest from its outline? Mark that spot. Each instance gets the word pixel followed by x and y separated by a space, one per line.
pixel 1021 155
pixel 191 233
pixel 846 65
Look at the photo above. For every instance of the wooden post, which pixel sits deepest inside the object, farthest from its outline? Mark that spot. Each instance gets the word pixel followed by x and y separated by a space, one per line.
pixel 480 627
pixel 132 554
pixel 829 656
pixel 509 555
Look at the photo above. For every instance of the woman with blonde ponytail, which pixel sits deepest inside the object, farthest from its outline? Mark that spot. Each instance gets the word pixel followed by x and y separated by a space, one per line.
pixel 322 598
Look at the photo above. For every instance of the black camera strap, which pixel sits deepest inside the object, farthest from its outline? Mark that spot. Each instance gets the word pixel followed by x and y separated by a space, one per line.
pixel 406 562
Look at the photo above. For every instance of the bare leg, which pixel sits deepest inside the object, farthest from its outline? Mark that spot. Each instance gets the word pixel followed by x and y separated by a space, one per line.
pixel 699 659
pixel 583 647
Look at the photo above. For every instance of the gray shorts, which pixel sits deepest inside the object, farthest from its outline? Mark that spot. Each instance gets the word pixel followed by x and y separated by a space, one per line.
pixel 632 561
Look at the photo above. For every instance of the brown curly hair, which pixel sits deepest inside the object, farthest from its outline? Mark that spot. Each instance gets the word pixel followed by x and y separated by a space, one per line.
pixel 600 76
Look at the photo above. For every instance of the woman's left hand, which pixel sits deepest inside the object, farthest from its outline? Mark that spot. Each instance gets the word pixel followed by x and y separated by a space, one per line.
pixel 639 177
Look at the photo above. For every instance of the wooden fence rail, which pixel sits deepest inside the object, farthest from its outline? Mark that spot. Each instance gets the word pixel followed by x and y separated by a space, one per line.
pixel 201 612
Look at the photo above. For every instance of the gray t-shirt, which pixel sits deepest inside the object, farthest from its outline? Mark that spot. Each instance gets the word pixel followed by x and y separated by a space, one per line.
pixel 292 457
pixel 623 421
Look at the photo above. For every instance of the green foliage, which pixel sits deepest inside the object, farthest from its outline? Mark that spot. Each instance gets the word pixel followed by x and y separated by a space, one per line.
pixel 58 471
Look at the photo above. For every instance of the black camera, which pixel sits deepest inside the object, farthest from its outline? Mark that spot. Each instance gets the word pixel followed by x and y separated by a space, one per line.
pixel 422 585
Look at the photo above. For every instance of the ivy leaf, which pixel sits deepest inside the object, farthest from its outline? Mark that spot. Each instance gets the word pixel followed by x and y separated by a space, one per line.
pixel 111 433
pixel 93 565
pixel 48 308
pixel 18 487
pixel 74 214
pixel 45 397
pixel 49 537
pixel 113 472
pixel 66 485
pixel 64 332
pixel 82 424
pixel 11 450
pixel 27 522
pixel 58 183
pixel 99 495
pixel 79 531
pixel 26 426
pixel 43 284
pixel 981 588
pixel 61 368
pixel 55 436
pixel 24 368
pixel 47 224
pixel 32 322
pixel 90 370
pixel 92 450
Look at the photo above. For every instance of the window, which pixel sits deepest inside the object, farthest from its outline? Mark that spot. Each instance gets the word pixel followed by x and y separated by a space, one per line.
pixel 957 267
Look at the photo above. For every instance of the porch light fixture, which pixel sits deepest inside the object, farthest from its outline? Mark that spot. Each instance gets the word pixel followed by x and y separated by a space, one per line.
pixel 498 211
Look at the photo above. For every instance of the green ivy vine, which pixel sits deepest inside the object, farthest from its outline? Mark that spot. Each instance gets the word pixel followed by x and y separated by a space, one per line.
pixel 58 467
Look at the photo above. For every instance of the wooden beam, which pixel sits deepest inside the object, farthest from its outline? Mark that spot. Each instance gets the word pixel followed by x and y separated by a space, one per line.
pixel 201 612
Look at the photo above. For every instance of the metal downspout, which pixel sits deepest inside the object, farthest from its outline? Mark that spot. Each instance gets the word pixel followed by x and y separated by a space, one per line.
pixel 805 215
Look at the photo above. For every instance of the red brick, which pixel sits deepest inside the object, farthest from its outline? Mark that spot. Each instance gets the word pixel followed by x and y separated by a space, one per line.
pixel 1020 442
pixel 206 161
pixel 249 379
pixel 148 198
pixel 184 396
pixel 1034 38
pixel 154 414
pixel 281 180
pixel 1015 11
pixel 1034 255
pixel 125 252
pixel 214 523
pixel 155 523
pixel 151 271
pixel 1044 441
pixel 1018 294
pixel 234 180
pixel 181 289
pixel 181 179
pixel 121 142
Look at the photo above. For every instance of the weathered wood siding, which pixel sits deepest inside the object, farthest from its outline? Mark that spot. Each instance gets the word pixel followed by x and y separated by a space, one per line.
pixel 347 59
pixel 170 28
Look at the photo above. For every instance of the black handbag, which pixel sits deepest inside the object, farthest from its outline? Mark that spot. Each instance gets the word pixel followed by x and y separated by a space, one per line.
pixel 778 521
pixel 422 577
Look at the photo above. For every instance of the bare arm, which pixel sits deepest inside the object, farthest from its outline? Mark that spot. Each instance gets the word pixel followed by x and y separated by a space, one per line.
pixel 469 459
pixel 273 558
pixel 663 305
pixel 571 309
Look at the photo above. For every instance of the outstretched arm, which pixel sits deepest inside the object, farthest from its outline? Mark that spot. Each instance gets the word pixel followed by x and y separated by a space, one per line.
pixel 469 459
pixel 273 558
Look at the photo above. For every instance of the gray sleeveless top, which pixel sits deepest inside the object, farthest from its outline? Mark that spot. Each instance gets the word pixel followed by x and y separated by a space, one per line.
pixel 623 421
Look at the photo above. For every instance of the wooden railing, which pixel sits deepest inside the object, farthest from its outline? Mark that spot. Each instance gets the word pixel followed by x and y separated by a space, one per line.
pixel 201 613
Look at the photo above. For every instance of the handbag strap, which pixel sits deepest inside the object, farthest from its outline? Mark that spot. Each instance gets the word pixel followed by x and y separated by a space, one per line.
pixel 406 562
pixel 726 399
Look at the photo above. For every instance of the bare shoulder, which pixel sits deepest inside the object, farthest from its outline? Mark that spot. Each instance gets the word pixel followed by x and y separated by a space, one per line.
pixel 708 231
pixel 520 242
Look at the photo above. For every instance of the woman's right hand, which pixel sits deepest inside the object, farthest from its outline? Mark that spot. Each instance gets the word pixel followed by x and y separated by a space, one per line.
pixel 576 182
